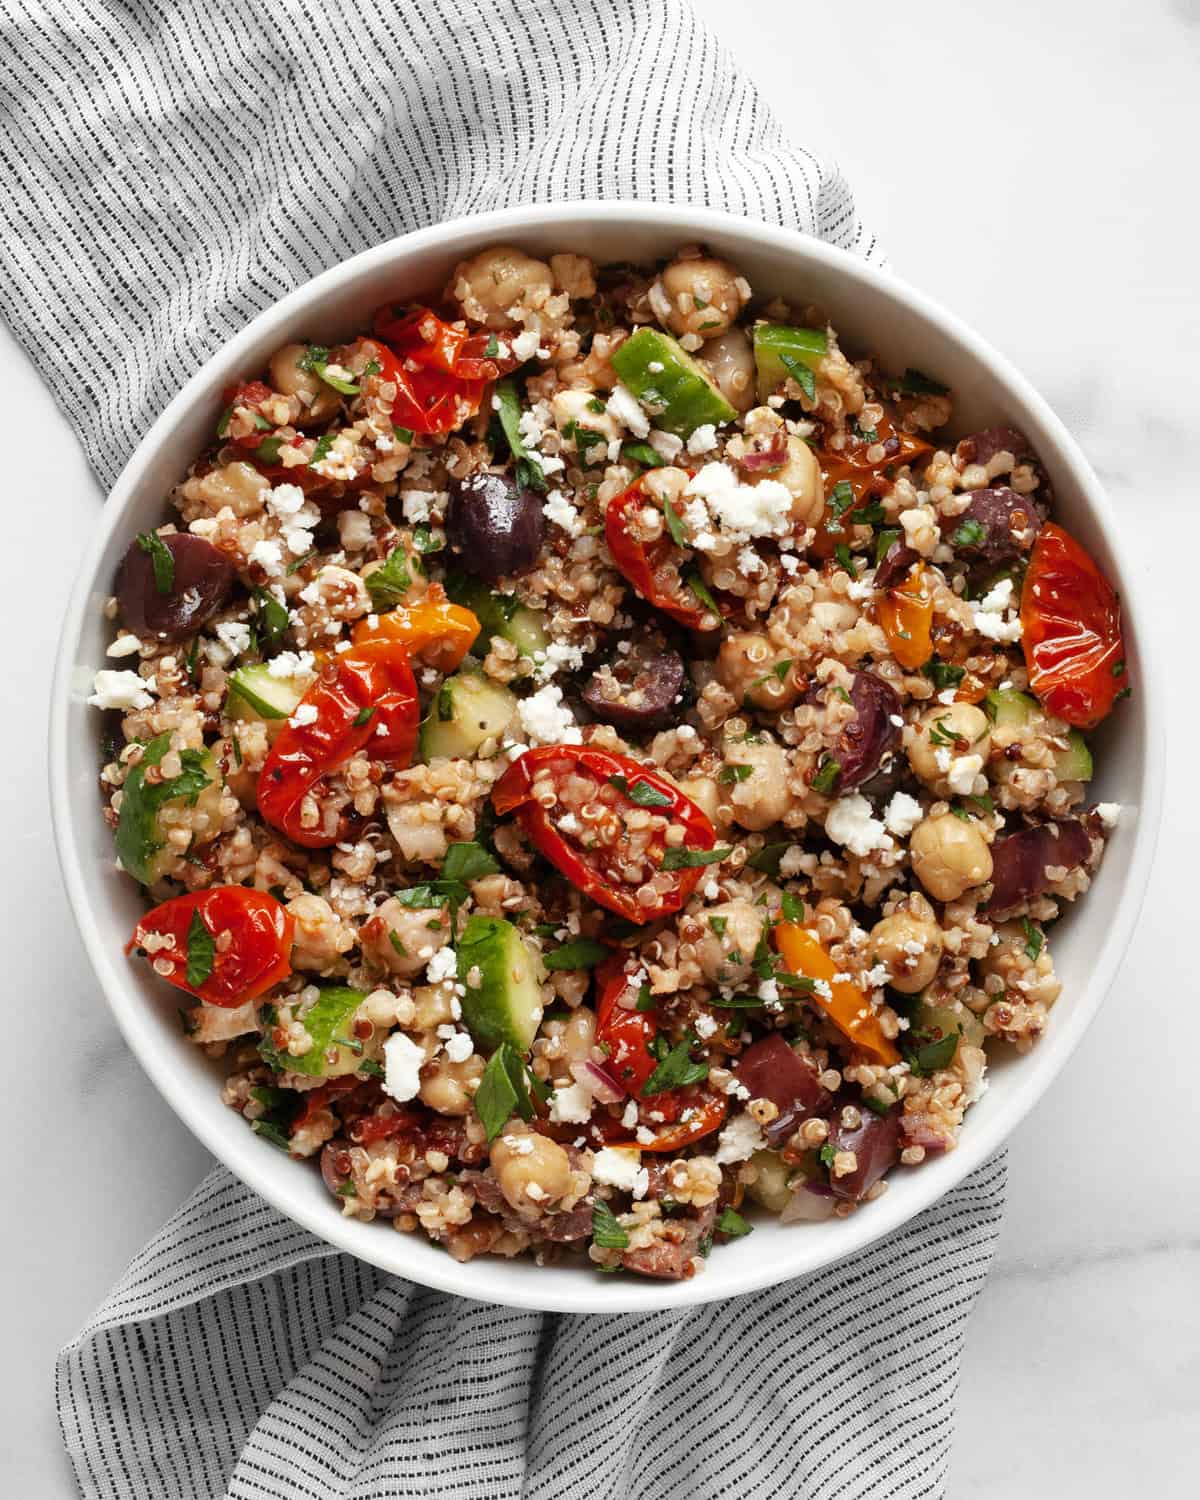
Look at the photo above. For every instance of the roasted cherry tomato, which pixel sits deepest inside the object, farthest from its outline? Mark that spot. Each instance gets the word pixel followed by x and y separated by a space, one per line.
pixel 1071 631
pixel 905 612
pixel 683 1115
pixel 626 1034
pixel 845 1005
pixel 366 699
pixel 439 370
pixel 869 478
pixel 597 851
pixel 449 628
pixel 245 946
pixel 653 568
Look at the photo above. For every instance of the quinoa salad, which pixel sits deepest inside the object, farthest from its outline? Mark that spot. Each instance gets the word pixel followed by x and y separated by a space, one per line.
pixel 602 765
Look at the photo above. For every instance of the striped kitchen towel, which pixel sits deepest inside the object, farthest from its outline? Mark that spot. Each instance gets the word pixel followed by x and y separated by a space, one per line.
pixel 169 168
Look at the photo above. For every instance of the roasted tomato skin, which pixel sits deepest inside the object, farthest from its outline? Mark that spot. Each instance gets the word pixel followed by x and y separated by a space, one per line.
pixel 1071 631
pixel 590 870
pixel 364 700
pixel 438 370
pixel 905 611
pixel 258 954
pixel 626 1034
pixel 646 565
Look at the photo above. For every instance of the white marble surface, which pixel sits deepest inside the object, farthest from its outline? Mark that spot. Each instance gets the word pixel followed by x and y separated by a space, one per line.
pixel 1031 164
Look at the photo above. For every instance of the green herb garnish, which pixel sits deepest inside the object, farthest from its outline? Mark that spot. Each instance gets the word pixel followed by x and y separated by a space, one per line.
pixel 161 558
pixel 768 857
pixel 1035 939
pixel 675 1069
pixel 201 951
pixel 579 953
pixel 606 1231
pixel 691 859
pixel 826 776
pixel 508 408
pixel 640 792
pixel 731 1223
pixel 389 584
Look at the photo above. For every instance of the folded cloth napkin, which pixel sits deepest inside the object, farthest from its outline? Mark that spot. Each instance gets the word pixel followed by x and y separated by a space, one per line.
pixel 169 168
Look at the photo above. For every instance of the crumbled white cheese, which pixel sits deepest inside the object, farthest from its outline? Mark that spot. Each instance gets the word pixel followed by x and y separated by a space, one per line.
pixel 991 616
pixel 851 823
pixel 666 444
pixel 791 861
pixel 306 713
pixel 291 664
pixel 124 645
pixel 525 345
pixel 768 990
pixel 402 1059
pixel 268 554
pixel 559 510
pixel 571 1105
pixel 234 635
pixel 285 500
pixel 122 690
pixel 878 976
pixel 1110 813
pixel 744 511
pixel 740 1139
pixel 617 1166
pixel 419 505
pixel 623 407
pixel 703 439
pixel 630 1116
pixel 443 965
pixel 706 1026
pixel 641 1183
pixel 569 823
pixel 963 771
pixel 460 1047
pixel 546 720
pixel 902 814
pixel 557 654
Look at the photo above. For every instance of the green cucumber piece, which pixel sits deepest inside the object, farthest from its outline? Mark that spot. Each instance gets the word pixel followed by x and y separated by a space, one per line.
pixel 775 344
pixel 681 395
pixel 252 693
pixel 499 614
pixel 935 1021
pixel 141 838
pixel 770 1187
pixel 505 1003
pixel 1012 709
pixel 467 711
pixel 325 1022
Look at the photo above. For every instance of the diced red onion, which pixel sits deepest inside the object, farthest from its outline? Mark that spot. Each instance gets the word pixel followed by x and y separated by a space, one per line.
pixel 599 1084
pixel 774 456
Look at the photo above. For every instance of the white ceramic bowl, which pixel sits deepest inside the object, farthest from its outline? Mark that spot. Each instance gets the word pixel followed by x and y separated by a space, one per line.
pixel 873 311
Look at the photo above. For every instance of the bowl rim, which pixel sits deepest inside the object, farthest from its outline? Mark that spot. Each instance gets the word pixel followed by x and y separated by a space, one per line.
pixel 545 1291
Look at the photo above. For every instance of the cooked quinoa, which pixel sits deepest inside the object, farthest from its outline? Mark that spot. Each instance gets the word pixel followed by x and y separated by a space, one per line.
pixel 579 747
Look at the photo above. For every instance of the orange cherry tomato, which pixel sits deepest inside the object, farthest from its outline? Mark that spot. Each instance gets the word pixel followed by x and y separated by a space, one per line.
pixel 450 628
pixel 239 940
pixel 1071 631
pixel 845 1005
pixel 653 568
pixel 906 614
pixel 868 478
pixel 365 699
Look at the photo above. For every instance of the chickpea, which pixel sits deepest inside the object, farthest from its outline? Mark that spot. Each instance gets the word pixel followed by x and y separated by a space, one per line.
pixel 448 1087
pixel 239 486
pixel 1009 962
pixel 402 939
pixel 957 729
pixel 667 483
pixel 725 956
pixel 431 1007
pixel 746 665
pixel 949 856
pixel 578 1035
pixel 318 401
pixel 703 792
pixel 761 798
pixel 731 360
pixel 321 935
pixel 497 280
pixel 912 926
pixel 704 295
pixel 801 476
pixel 532 1170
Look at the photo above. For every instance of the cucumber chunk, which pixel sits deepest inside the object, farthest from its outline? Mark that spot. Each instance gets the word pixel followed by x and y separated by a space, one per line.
pixel 770 1187
pixel 775 345
pixel 326 1022
pixel 254 694
pixel 935 1021
pixel 668 382
pixel 468 711
pixel 141 837
pixel 1009 708
pixel 498 614
pixel 505 1002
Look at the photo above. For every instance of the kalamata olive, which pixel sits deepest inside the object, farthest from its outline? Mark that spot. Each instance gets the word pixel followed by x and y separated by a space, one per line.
pixel 982 447
pixel 866 738
pixel 996 526
pixel 894 775
pixel 200 580
pixel 496 526
pixel 637 691
pixel 771 1070
pixel 895 565
pixel 1020 861
pixel 876 1146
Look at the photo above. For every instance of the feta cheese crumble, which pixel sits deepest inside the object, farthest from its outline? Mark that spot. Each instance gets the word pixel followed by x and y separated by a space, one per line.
pixel 402 1059
pixel 443 965
pixel 623 407
pixel 571 1105
pixel 740 1139
pixel 902 814
pixel 852 824
pixel 617 1166
pixel 123 690
pixel 744 511
pixel 546 720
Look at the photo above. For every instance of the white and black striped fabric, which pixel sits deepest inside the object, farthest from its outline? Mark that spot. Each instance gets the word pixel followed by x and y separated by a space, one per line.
pixel 167 169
